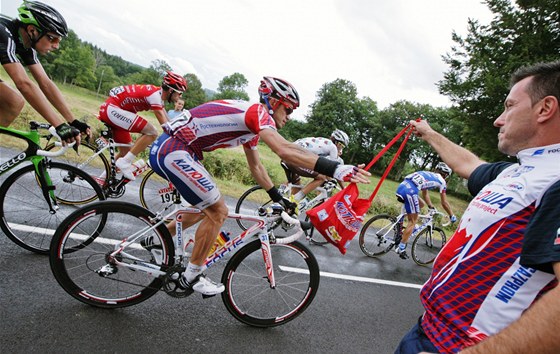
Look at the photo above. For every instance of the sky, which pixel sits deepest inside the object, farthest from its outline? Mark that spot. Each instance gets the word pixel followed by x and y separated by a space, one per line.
pixel 390 49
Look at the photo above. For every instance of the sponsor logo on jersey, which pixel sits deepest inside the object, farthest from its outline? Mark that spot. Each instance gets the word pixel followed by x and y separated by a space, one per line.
pixel 514 284
pixel 557 241
pixel 199 180
pixel 514 187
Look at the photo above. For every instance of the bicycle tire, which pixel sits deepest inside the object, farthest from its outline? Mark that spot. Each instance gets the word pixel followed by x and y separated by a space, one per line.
pixel 425 248
pixel 83 160
pixel 155 192
pixel 248 295
pixel 373 244
pixel 315 238
pixel 26 218
pixel 76 265
pixel 249 203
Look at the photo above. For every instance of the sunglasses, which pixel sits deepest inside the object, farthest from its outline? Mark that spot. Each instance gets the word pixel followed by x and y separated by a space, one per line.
pixel 289 109
pixel 53 39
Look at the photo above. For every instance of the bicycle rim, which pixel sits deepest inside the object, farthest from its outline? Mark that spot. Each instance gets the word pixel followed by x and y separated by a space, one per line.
pixel 426 246
pixel 156 192
pixel 26 218
pixel 248 295
pixel 249 203
pixel 80 249
pixel 377 235
pixel 85 160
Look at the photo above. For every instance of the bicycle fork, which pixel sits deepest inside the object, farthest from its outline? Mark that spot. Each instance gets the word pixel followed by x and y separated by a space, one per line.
pixel 267 256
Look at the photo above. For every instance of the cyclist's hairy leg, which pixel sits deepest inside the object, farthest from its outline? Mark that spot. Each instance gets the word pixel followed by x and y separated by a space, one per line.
pixel 188 220
pixel 11 104
pixel 206 233
pixel 411 222
pixel 311 186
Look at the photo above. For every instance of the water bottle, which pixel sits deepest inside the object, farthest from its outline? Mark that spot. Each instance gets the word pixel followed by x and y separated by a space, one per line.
pixel 221 240
pixel 140 165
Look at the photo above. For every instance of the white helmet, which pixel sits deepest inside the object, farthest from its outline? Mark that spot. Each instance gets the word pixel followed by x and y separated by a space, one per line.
pixel 442 167
pixel 339 135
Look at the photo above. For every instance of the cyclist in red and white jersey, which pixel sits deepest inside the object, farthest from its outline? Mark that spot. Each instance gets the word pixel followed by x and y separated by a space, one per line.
pixel 38 29
pixel 177 155
pixel 329 148
pixel 120 112
pixel 494 285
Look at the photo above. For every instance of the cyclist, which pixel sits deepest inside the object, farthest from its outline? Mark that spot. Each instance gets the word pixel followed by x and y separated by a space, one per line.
pixel 120 112
pixel 38 29
pixel 328 148
pixel 177 154
pixel 407 193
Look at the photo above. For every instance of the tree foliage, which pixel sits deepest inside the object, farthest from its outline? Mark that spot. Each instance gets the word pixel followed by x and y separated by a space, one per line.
pixel 232 87
pixel 481 63
pixel 195 94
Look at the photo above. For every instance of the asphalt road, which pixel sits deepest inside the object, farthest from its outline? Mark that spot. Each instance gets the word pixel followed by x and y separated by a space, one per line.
pixel 363 305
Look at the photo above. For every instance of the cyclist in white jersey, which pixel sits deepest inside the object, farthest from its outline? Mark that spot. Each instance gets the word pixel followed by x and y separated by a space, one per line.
pixel 494 285
pixel 329 148
pixel 176 156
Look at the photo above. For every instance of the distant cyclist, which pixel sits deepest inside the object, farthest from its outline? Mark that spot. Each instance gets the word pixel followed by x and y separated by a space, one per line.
pixel 177 156
pixel 120 111
pixel 38 29
pixel 324 147
pixel 407 193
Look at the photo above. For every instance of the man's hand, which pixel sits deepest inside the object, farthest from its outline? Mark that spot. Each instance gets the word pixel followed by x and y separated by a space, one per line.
pixel 421 128
pixel 68 134
pixel 288 206
pixel 350 173
pixel 82 127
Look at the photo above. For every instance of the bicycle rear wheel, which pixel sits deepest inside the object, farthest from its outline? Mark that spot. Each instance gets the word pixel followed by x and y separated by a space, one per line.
pixel 377 235
pixel 426 245
pixel 26 218
pixel 155 192
pixel 86 159
pixel 248 295
pixel 87 272
pixel 249 204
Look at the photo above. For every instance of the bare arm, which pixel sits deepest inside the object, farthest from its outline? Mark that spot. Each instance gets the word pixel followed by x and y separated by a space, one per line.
pixel 536 331
pixel 258 171
pixel 32 92
pixel 161 116
pixel 426 199
pixel 461 160
pixel 445 204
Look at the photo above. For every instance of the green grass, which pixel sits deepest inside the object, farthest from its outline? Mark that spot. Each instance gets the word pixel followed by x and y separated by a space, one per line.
pixel 228 166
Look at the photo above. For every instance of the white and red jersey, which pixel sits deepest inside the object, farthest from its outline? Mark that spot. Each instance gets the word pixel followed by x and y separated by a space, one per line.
pixel 319 146
pixel 498 262
pixel 136 98
pixel 224 124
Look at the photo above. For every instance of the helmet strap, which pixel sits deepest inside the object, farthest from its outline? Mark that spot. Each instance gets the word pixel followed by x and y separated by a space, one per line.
pixel 270 110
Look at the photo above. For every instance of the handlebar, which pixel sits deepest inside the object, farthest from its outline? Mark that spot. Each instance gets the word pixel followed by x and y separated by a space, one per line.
pixel 58 152
pixel 302 225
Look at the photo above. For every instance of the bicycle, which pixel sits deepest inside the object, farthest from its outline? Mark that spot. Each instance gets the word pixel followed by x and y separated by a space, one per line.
pixel 256 198
pixel 268 281
pixel 36 197
pixel 383 232
pixel 154 191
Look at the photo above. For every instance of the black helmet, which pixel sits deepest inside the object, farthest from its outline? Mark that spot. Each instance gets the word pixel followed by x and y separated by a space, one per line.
pixel 44 17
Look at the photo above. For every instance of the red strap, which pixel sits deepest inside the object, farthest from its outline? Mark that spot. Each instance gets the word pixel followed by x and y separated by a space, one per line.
pixel 388 169
pixel 387 147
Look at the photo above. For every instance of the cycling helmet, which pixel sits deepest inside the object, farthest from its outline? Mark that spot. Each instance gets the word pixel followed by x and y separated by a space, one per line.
pixel 442 167
pixel 175 81
pixel 339 135
pixel 44 17
pixel 279 89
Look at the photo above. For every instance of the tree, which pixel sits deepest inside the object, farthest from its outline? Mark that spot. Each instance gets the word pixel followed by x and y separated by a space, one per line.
pixel 481 64
pixel 195 94
pixel 232 87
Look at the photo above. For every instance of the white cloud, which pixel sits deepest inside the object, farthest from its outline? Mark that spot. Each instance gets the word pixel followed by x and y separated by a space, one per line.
pixel 391 50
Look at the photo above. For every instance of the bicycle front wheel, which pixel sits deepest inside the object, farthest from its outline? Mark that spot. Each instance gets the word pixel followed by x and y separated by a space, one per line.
pixel 377 235
pixel 26 217
pixel 81 254
pixel 249 204
pixel 249 296
pixel 426 245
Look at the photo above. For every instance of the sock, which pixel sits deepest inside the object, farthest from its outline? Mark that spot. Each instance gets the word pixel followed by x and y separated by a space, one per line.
pixel 192 271
pixel 130 157
pixel 298 196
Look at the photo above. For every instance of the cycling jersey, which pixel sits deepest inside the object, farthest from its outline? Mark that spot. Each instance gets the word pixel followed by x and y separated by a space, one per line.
pixel 319 146
pixel 407 191
pixel 499 261
pixel 119 110
pixel 213 125
pixel 11 47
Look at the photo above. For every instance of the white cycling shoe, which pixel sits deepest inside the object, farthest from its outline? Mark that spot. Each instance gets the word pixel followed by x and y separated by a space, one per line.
pixel 127 169
pixel 203 285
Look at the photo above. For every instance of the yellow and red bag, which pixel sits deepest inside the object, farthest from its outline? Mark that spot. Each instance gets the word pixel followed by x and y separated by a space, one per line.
pixel 340 218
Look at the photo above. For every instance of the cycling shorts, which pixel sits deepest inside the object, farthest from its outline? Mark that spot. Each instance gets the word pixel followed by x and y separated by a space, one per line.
pixel 408 192
pixel 172 159
pixel 122 122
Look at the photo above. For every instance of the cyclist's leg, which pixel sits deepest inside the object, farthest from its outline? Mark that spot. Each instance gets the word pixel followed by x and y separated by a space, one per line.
pixel 196 186
pixel 408 192
pixel 11 104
